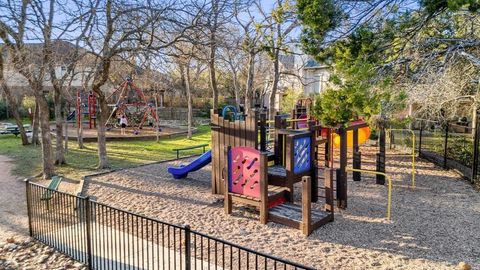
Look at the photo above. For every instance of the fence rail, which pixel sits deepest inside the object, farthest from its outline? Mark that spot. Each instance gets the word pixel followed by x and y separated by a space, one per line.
pixel 105 237
pixel 449 145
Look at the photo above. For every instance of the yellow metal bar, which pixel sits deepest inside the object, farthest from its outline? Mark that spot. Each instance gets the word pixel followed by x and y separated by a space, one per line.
pixel 270 121
pixel 296 120
pixel 390 187
pixel 413 151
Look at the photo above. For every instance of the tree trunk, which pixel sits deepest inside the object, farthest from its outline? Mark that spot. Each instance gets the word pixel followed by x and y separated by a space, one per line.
pixel 212 54
pixel 273 94
pixel 250 78
pixel 13 103
pixel 35 125
pixel 16 115
pixel 213 77
pixel 65 121
pixel 59 151
pixel 46 140
pixel 236 90
pixel 101 131
pixel 189 101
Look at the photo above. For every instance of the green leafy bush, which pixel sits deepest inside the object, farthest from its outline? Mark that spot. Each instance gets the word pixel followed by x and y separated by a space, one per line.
pixel 289 100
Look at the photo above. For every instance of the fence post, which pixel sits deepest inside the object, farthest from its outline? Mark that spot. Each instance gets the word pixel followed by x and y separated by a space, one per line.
pixel 476 142
pixel 28 190
pixel 88 229
pixel 420 140
pixel 380 179
pixel 445 147
pixel 188 243
pixel 342 172
pixel 357 156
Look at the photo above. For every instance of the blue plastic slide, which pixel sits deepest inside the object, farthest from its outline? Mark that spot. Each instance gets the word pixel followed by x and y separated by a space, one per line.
pixel 197 164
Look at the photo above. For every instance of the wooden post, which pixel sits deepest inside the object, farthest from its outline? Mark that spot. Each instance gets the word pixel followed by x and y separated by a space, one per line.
pixel 357 159
pixel 328 152
pixel 306 205
pixel 313 159
pixel 278 139
pixel 263 189
pixel 228 203
pixel 294 117
pixel 263 132
pixel 342 174
pixel 289 164
pixel 476 144
pixel 329 198
pixel 380 179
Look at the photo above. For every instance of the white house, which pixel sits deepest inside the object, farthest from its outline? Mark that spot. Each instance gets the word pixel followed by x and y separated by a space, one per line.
pixel 315 77
pixel 301 73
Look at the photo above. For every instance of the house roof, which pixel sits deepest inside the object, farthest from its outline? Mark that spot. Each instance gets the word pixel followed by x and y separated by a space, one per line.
pixel 311 63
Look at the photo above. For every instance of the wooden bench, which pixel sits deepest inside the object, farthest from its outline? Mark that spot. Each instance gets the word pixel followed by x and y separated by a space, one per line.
pixel 190 148
pixel 51 190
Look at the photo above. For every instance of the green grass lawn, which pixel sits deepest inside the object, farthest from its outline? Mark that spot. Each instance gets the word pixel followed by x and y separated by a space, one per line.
pixel 83 161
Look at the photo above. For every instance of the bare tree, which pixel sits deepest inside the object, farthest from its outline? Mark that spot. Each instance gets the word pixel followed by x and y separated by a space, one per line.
pixel 279 23
pixel 121 29
pixel 250 44
pixel 33 63
pixel 14 104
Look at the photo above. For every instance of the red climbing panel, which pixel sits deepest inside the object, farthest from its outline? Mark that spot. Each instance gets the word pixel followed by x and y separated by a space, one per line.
pixel 244 176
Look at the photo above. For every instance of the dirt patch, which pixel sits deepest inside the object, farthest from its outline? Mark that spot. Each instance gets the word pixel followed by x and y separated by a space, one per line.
pixel 13 206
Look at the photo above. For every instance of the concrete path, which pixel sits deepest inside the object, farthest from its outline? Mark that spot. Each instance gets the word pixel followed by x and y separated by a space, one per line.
pixel 13 206
pixel 114 249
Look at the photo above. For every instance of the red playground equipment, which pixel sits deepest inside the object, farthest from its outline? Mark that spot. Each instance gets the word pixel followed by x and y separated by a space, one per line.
pixel 86 106
pixel 126 100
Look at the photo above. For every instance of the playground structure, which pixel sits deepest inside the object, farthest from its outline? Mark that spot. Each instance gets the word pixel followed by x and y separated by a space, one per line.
pixel 85 106
pixel 126 101
pixel 241 173
pixel 244 171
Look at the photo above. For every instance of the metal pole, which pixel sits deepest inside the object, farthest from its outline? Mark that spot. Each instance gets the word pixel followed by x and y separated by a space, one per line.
pixel 420 141
pixel 445 148
pixel 188 243
pixel 89 233
pixel 29 201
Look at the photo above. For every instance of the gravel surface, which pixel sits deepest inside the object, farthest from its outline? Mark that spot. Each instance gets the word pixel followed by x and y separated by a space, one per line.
pixel 26 253
pixel 433 227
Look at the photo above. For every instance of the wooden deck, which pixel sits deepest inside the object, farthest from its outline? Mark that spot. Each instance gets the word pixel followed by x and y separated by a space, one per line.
pixel 294 212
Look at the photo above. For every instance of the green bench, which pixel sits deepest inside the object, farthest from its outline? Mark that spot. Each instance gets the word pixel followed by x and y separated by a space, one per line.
pixel 51 189
pixel 189 148
pixel 13 130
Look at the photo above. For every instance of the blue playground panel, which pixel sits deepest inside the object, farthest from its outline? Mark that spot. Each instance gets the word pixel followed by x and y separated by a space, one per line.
pixel 301 154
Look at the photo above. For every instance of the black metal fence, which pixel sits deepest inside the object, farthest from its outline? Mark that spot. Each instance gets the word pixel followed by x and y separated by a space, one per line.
pixel 104 237
pixel 450 145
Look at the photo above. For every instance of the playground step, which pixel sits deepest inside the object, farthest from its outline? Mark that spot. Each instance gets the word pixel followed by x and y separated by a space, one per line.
pixel 274 193
pixel 293 212
pixel 277 170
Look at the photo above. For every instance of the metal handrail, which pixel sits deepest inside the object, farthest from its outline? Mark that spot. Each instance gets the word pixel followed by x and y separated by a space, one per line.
pixel 390 187
pixel 413 151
